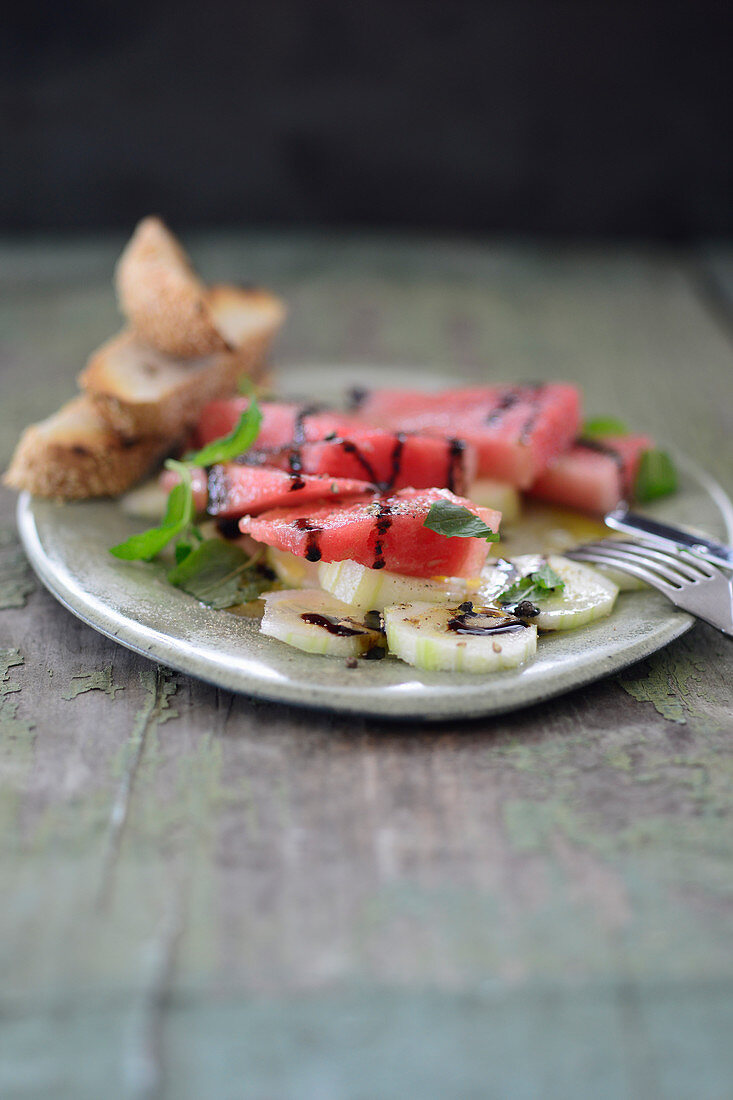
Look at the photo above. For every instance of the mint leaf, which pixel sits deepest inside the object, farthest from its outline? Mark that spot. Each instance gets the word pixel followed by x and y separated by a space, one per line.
pixel 455 521
pixel 537 585
pixel 546 578
pixel 219 574
pixel 239 440
pixel 178 517
pixel 656 476
pixel 182 549
pixel 604 425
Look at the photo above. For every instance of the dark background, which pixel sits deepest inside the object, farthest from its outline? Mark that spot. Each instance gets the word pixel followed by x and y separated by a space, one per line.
pixel 582 118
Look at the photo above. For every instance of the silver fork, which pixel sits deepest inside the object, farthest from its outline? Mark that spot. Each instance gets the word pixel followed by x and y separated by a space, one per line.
pixel 688 581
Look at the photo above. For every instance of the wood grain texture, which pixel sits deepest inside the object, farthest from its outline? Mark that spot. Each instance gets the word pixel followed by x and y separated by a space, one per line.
pixel 204 895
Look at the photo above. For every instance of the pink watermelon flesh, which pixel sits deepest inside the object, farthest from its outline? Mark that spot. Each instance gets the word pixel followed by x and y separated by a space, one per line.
pixel 379 532
pixel 388 460
pixel 199 485
pixel 594 475
pixel 294 439
pixel 235 491
pixel 283 423
pixel 516 430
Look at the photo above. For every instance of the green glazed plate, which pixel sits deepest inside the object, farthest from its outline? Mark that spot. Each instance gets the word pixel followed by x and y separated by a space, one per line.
pixel 132 603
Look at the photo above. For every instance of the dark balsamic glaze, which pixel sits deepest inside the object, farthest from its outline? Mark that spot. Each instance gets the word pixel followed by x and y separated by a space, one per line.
pixel 336 628
pixel 454 477
pixel 312 549
pixel 356 397
pixel 228 528
pixel 531 393
pixel 382 525
pixel 295 462
pixel 525 609
pixel 373 620
pixel 535 394
pixel 479 622
pixel 601 449
pixel 350 448
pixel 396 459
pixel 506 401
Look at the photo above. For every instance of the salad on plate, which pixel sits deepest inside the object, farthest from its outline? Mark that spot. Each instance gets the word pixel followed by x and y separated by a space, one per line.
pixel 388 523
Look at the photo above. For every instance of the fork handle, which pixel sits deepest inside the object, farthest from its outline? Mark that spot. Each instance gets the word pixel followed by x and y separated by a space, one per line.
pixel 633 524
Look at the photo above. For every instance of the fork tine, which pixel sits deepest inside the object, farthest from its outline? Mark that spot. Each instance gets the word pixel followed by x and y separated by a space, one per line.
pixel 697 562
pixel 707 595
pixel 622 555
pixel 597 557
pixel 693 569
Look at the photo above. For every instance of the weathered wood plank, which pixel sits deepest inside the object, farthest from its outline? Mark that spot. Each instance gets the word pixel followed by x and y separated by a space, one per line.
pixel 222 878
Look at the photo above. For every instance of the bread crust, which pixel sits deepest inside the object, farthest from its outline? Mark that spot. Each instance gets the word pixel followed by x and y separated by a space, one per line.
pixel 75 455
pixel 144 388
pixel 140 391
pixel 161 295
pixel 188 387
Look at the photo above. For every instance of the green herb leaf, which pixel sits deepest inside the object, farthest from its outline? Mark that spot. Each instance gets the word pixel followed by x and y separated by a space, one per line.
pixel 252 585
pixel 543 582
pixel 546 578
pixel 229 446
pixel 604 425
pixel 656 476
pixel 182 550
pixel 455 521
pixel 219 574
pixel 178 516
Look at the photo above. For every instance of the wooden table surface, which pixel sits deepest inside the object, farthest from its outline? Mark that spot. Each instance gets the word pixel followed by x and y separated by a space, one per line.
pixel 204 896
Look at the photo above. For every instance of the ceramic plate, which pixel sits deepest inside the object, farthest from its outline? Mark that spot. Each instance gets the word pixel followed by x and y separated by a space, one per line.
pixel 132 603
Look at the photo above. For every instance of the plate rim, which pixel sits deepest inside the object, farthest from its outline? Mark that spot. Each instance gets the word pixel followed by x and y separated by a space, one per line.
pixel 437 706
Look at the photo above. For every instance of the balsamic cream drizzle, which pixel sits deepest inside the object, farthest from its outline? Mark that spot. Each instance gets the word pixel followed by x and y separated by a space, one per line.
pixel 602 449
pixel 340 630
pixel 312 546
pixel 479 623
pixel 530 393
pixel 382 524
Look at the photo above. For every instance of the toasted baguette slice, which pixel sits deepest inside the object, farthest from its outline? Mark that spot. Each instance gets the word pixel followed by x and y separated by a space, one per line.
pixel 141 391
pixel 161 295
pixel 74 454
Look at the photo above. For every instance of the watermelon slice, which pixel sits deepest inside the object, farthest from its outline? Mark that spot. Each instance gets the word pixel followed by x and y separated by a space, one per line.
pixel 199 486
pixel 388 460
pixel 283 423
pixel 381 532
pixel 298 439
pixel 235 491
pixel 516 430
pixel 595 475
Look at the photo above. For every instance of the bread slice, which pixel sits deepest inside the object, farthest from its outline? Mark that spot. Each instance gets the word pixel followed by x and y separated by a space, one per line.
pixel 74 454
pixel 141 391
pixel 162 297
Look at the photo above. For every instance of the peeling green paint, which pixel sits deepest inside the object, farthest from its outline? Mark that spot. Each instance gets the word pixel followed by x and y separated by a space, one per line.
pixel 160 684
pixel 16 747
pixel 9 658
pixel 100 679
pixel 667 684
pixel 16 578
pixel 10 725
